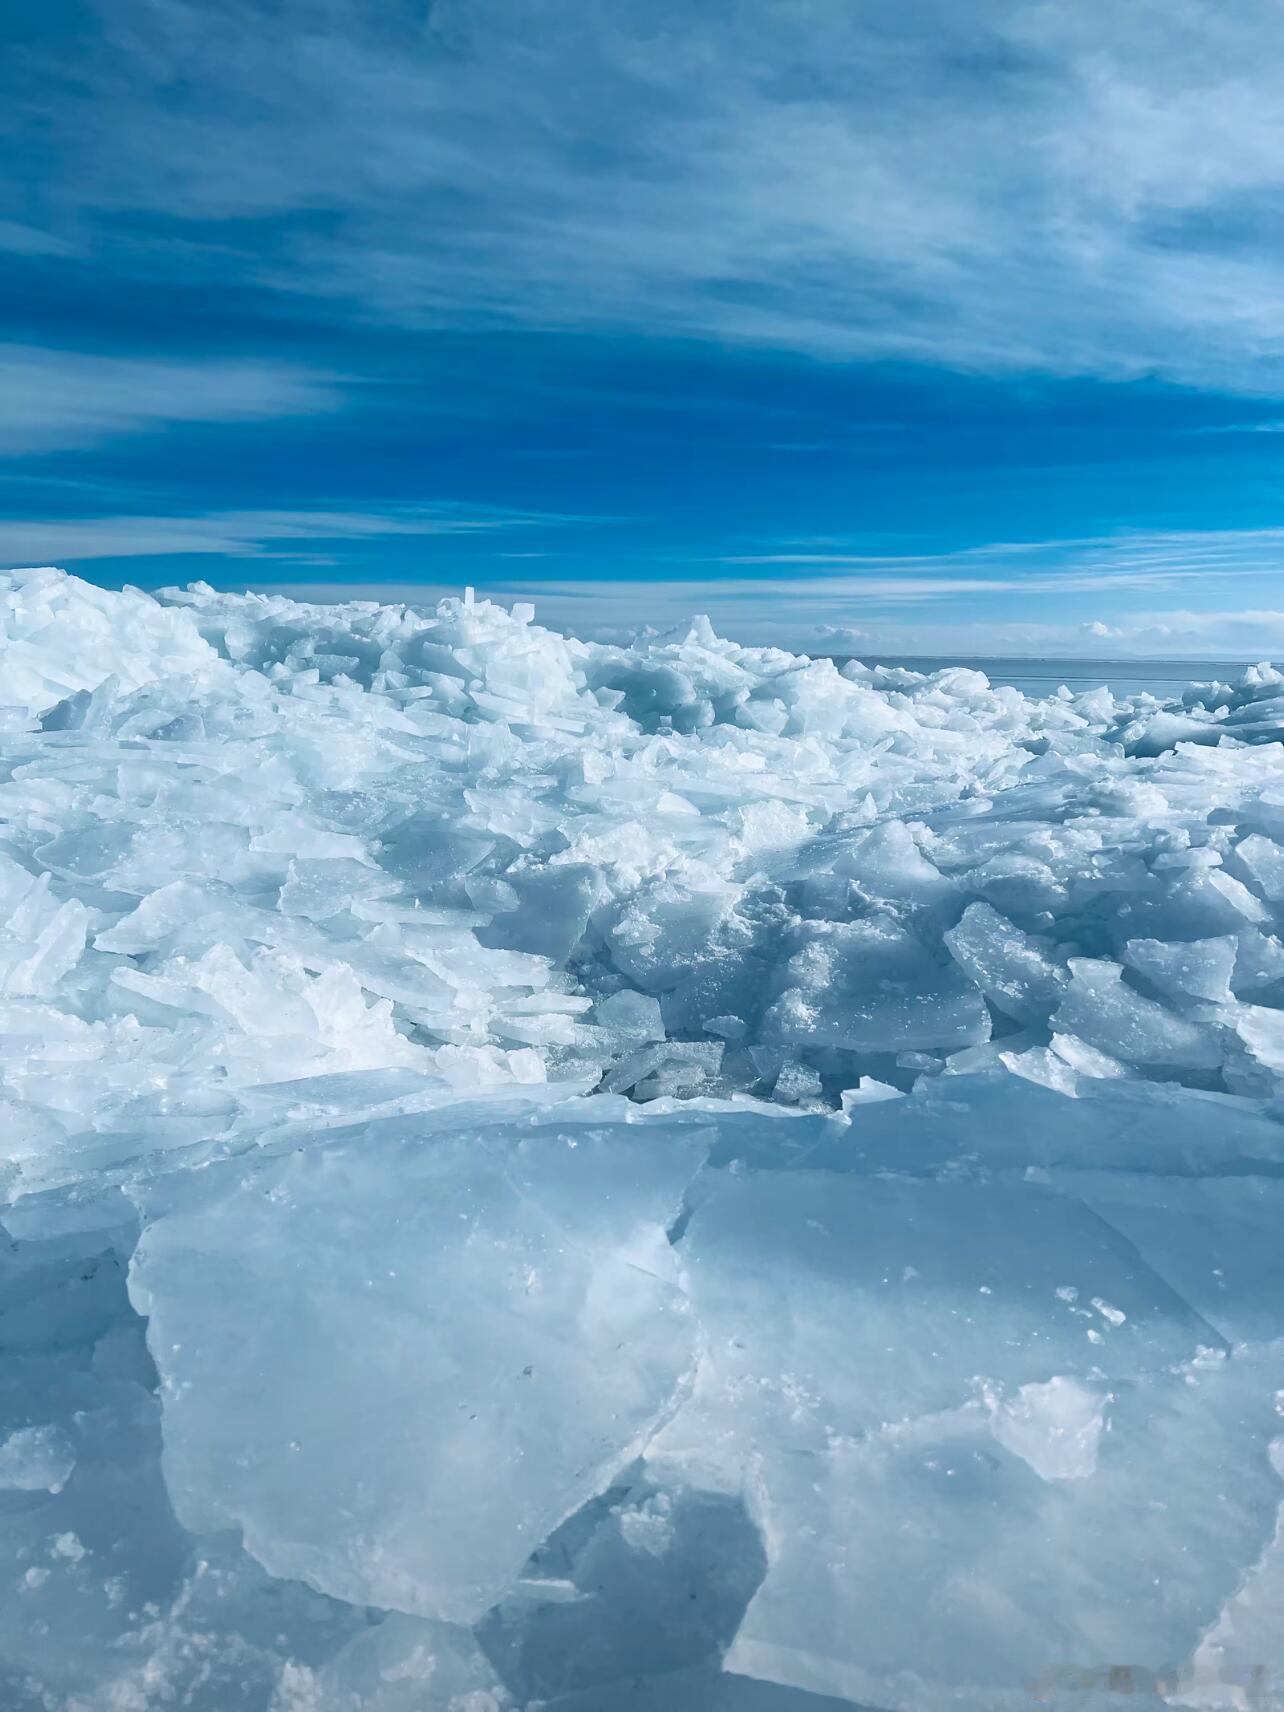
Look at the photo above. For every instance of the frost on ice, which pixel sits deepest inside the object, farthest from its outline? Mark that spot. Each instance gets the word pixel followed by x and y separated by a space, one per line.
pixel 541 1173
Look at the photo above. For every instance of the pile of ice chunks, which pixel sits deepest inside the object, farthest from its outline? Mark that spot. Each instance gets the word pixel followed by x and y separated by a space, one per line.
pixel 542 1174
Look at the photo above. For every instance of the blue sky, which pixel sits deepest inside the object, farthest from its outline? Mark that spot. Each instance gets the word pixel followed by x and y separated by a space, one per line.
pixel 904 326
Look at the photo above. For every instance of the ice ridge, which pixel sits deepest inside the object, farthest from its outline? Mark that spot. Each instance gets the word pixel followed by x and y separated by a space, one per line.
pixel 550 1173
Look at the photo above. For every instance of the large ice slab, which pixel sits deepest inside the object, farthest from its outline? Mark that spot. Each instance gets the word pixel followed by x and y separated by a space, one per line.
pixel 397 1363
pixel 972 1419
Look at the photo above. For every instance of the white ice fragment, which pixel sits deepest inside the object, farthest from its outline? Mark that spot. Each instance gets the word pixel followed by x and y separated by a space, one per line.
pixel 1116 1019
pixel 868 1091
pixel 797 1083
pixel 726 1027
pixel 36 1459
pixel 293 837
pixel 1262 1030
pixel 318 888
pixel 1263 859
pixel 887 863
pixel 1045 1065
pixel 1153 733
pixel 1085 1059
pixel 635 1016
pixel 1238 896
pixel 1005 963
pixel 57 950
pixel 1259 962
pixel 649 1527
pixel 15 884
pixel 1054 1426
pixel 60 635
pixel 159 915
pixel 1193 969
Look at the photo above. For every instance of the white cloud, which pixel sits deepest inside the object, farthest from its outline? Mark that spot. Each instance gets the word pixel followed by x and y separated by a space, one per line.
pixel 18 239
pixel 56 399
pixel 1086 189
pixel 247 534
pixel 1137 559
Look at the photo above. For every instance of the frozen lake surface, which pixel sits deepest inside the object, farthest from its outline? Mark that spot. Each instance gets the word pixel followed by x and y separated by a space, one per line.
pixel 540 1174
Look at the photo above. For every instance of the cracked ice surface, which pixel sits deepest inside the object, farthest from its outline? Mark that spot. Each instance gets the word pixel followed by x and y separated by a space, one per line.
pixel 550 1174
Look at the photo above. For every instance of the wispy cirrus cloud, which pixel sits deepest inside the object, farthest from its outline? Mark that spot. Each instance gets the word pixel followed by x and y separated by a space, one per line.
pixel 53 400
pixel 17 239
pixel 290 535
pixel 1088 189
pixel 1129 559
pixel 973 601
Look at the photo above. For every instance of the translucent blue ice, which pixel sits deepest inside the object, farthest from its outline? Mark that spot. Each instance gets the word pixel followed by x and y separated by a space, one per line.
pixel 549 1174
